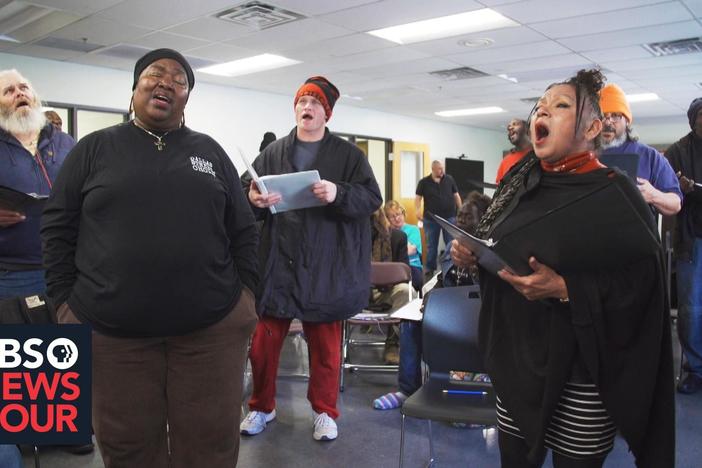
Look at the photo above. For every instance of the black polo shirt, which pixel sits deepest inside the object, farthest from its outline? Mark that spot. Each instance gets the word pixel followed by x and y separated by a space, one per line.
pixel 438 197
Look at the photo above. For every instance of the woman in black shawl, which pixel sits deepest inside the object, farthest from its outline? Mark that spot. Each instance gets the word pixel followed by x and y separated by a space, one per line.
pixel 574 355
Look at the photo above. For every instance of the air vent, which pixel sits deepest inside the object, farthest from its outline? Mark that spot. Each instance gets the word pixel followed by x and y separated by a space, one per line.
pixel 530 100
pixel 463 73
pixel 258 15
pixel 692 45
pixel 67 44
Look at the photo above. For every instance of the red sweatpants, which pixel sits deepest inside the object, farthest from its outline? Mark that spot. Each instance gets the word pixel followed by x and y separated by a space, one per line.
pixel 324 345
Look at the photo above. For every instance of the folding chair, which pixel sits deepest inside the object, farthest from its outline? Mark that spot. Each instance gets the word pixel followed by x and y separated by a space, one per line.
pixel 383 274
pixel 450 343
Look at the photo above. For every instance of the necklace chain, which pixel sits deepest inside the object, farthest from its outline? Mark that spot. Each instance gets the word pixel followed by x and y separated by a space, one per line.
pixel 159 143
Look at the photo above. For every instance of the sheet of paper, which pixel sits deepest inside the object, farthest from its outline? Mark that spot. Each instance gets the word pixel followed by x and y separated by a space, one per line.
pixel 409 311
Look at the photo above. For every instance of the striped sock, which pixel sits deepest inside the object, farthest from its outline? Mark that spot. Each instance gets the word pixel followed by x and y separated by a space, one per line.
pixel 389 401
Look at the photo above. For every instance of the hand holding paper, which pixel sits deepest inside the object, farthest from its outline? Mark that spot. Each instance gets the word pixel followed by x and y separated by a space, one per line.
pixel 544 283
pixel 325 191
pixel 461 255
pixel 8 217
pixel 260 200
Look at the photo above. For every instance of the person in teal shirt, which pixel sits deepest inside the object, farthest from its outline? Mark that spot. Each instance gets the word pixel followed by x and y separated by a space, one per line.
pixel 396 215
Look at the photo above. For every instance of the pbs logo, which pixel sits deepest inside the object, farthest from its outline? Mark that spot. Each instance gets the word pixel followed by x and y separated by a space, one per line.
pixel 61 353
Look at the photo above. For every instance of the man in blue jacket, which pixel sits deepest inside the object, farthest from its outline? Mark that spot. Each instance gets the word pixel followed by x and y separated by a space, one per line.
pixel 31 153
pixel 314 262
pixel 656 180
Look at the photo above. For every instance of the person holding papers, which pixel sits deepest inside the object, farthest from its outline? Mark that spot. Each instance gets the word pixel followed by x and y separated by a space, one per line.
pixel 575 355
pixel 315 261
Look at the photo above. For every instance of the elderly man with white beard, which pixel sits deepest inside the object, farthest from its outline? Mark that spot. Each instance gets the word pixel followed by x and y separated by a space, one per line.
pixel 31 153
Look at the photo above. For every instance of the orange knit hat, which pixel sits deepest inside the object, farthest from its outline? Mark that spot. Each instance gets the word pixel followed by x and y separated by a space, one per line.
pixel 612 99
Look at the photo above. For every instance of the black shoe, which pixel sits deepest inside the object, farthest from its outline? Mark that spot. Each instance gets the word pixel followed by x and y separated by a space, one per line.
pixel 690 384
pixel 79 449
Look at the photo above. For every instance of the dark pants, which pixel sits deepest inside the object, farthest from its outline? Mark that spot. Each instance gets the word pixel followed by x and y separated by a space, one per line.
pixel 324 345
pixel 513 454
pixel 689 279
pixel 432 229
pixel 409 376
pixel 192 383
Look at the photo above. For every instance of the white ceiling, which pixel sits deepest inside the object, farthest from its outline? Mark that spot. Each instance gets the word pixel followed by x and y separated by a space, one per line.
pixel 553 39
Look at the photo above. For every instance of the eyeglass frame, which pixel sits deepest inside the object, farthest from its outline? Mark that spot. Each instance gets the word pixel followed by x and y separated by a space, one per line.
pixel 613 117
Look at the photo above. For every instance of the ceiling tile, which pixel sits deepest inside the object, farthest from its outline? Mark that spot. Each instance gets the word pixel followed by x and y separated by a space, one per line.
pixel 670 12
pixel 695 6
pixel 500 37
pixel 211 29
pixel 100 30
pixel 664 32
pixel 220 52
pixel 649 63
pixel 543 63
pixel 342 46
pixel 425 65
pixel 158 14
pixel 39 51
pixel 290 35
pixel 320 7
pixel 617 54
pixel 172 41
pixel 516 52
pixel 375 15
pixel 534 11
pixel 83 7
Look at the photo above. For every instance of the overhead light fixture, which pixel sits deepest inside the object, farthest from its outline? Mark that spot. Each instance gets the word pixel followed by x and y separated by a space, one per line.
pixel 643 97
pixel 246 66
pixel 477 42
pixel 473 111
pixel 355 98
pixel 7 38
pixel 508 78
pixel 445 26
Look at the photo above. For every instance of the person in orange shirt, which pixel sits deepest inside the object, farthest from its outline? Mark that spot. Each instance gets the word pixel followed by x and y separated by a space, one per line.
pixel 519 137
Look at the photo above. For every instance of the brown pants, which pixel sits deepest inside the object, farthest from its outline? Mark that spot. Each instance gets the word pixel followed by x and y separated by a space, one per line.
pixel 192 383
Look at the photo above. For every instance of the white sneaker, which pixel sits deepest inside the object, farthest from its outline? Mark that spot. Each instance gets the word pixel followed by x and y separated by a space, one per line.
pixel 255 422
pixel 324 427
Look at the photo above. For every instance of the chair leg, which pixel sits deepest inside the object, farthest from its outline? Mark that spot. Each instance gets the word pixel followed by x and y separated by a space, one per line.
pixel 36 456
pixel 431 446
pixel 344 350
pixel 402 441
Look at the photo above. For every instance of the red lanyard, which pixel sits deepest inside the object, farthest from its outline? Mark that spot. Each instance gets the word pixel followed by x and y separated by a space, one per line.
pixel 43 168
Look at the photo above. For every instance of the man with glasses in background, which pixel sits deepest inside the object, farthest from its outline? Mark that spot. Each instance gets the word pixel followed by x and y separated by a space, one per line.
pixel 656 179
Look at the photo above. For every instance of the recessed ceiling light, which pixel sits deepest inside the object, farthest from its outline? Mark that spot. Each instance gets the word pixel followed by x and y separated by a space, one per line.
pixel 7 38
pixel 472 111
pixel 508 78
pixel 445 26
pixel 477 42
pixel 643 97
pixel 255 64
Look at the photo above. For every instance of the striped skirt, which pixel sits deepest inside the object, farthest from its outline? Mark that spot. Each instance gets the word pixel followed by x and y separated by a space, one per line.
pixel 579 428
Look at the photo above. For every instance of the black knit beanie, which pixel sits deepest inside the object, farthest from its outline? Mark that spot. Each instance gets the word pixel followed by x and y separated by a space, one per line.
pixel 159 54
pixel 695 107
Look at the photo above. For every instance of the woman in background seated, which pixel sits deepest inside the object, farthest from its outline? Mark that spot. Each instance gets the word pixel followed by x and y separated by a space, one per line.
pixel 574 355
pixel 396 215
pixel 389 245
pixel 410 373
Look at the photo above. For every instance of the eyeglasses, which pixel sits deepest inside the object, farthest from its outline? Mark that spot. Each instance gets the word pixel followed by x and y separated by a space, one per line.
pixel 395 215
pixel 614 117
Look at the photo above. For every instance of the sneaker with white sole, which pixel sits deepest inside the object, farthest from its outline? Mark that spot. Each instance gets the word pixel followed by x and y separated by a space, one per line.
pixel 255 422
pixel 324 427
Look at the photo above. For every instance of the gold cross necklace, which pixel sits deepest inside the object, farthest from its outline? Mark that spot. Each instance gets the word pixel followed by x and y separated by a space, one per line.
pixel 159 143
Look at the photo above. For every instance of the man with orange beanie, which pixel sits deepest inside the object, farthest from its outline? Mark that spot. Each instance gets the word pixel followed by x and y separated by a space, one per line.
pixel 314 262
pixel 656 179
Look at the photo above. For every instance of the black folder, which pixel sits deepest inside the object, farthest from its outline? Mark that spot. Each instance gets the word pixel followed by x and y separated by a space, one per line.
pixel 26 203
pixel 601 229
pixel 625 162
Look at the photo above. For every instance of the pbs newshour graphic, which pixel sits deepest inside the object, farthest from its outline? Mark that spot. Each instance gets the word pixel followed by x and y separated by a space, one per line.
pixel 45 384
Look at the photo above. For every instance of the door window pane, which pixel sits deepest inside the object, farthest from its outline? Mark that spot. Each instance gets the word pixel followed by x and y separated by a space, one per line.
pixel 90 121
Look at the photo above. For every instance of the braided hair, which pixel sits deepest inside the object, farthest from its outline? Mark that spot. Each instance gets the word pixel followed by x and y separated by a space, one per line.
pixel 587 84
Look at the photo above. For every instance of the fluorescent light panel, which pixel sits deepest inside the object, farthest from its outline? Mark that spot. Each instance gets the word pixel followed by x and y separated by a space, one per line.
pixel 246 66
pixel 445 26
pixel 643 97
pixel 473 111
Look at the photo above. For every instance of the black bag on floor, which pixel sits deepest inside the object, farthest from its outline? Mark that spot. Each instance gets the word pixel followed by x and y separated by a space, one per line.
pixel 29 310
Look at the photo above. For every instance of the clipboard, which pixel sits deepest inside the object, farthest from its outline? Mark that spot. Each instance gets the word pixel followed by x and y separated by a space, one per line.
pixel 482 249
pixel 295 188
pixel 29 204
pixel 598 230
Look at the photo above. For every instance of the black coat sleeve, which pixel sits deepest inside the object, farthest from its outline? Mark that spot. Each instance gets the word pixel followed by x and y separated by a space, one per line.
pixel 398 244
pixel 241 229
pixel 358 196
pixel 60 222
